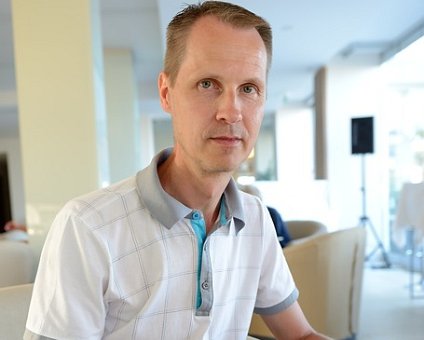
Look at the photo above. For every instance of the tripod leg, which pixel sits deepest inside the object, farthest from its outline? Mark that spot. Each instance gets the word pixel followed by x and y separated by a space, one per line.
pixel 364 220
pixel 380 245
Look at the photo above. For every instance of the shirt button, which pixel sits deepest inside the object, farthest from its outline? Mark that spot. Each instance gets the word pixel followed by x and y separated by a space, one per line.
pixel 196 215
pixel 205 285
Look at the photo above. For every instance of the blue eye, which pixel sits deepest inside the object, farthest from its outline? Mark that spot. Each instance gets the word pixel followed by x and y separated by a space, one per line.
pixel 206 84
pixel 248 89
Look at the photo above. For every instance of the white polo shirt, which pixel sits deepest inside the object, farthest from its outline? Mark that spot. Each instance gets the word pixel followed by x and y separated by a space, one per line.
pixel 123 263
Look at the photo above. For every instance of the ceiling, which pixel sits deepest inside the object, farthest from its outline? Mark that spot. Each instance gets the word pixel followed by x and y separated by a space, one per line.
pixel 307 35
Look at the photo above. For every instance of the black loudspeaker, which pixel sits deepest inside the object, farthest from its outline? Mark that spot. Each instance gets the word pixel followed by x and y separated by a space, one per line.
pixel 362 135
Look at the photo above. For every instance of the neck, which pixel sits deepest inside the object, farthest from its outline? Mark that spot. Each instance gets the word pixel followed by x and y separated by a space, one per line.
pixel 195 190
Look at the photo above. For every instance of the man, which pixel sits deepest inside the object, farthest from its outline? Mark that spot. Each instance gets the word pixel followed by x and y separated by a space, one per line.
pixel 177 252
pixel 14 231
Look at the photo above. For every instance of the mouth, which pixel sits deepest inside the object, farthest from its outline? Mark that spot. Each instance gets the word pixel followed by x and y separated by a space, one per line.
pixel 227 140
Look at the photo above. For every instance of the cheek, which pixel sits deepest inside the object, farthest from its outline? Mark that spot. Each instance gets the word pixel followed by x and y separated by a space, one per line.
pixel 194 114
pixel 253 122
pixel 186 123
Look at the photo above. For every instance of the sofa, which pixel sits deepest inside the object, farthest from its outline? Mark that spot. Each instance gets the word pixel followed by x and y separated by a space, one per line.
pixel 327 269
pixel 17 262
pixel 14 305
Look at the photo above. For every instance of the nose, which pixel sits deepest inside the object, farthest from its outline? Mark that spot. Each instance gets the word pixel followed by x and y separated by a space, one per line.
pixel 229 108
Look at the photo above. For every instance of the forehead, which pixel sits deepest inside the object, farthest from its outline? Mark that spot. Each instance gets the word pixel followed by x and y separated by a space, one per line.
pixel 212 41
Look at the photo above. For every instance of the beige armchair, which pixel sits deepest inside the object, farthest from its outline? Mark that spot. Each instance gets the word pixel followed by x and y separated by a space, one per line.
pixel 328 273
pixel 301 230
pixel 17 263
pixel 14 306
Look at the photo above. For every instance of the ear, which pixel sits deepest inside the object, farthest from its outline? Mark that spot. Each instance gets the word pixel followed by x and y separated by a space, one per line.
pixel 163 87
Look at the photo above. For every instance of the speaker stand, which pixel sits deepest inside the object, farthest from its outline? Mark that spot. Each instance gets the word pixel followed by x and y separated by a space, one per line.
pixel 365 221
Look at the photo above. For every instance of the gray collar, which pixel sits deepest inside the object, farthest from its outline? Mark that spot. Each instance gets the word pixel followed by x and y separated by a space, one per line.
pixel 166 209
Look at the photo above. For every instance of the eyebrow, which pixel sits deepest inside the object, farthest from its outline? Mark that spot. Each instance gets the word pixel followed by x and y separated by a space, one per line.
pixel 254 80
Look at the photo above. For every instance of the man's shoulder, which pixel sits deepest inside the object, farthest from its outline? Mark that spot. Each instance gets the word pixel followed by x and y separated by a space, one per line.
pixel 250 201
pixel 106 203
pixel 253 209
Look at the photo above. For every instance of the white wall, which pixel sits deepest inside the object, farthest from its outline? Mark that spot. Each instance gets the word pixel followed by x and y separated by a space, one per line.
pixel 294 139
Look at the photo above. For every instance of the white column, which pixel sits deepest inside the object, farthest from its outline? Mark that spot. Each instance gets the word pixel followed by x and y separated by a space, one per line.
pixel 123 118
pixel 59 73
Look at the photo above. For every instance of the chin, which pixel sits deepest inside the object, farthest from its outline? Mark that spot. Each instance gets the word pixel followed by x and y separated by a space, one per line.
pixel 222 166
pixel 227 160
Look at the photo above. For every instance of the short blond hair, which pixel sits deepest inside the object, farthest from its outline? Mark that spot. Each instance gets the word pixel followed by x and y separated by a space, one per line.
pixel 179 29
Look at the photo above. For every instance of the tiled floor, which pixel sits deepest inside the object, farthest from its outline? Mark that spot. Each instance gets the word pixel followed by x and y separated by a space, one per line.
pixel 387 311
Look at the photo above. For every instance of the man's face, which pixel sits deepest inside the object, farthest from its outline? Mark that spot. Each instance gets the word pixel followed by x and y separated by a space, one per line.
pixel 218 97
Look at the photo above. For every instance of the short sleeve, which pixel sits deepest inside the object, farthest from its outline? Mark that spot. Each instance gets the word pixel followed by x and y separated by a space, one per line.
pixel 67 300
pixel 276 289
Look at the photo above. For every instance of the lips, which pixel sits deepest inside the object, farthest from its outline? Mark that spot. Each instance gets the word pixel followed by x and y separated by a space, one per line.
pixel 227 140
pixel 226 137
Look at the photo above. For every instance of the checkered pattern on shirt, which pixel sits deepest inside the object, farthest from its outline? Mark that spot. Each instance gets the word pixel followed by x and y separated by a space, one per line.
pixel 120 274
